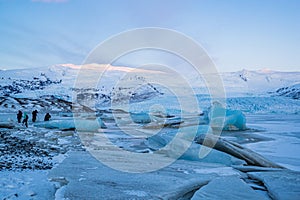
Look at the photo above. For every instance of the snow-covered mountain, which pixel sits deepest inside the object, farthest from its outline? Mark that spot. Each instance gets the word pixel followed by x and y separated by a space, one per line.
pixel 241 83
pixel 61 82
pixel 259 82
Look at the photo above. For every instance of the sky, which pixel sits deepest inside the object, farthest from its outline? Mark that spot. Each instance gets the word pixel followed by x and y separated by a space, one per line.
pixel 250 34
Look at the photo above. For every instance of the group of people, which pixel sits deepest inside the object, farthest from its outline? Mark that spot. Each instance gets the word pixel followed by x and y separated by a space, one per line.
pixel 34 115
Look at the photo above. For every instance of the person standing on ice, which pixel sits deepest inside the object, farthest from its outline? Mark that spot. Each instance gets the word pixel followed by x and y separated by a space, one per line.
pixel 19 116
pixel 25 120
pixel 47 117
pixel 34 114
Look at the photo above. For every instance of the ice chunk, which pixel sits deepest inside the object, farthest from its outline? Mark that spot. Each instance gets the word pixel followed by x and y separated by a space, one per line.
pixel 80 125
pixel 89 125
pixel 214 156
pixel 221 171
pixel 234 119
pixel 159 141
pixel 282 184
pixel 57 124
pixel 6 125
pixel 170 182
pixel 227 188
pixel 158 122
pixel 236 150
pixel 156 142
pixel 140 118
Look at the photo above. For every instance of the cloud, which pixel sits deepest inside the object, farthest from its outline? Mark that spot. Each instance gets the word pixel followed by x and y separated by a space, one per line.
pixel 50 1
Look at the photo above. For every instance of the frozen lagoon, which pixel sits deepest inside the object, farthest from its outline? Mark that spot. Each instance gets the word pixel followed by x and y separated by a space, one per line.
pixel 75 174
pixel 81 176
pixel 284 132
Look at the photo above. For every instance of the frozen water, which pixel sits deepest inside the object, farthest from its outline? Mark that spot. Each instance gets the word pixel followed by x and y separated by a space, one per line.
pixel 159 141
pixel 283 184
pixel 113 184
pixel 284 143
pixel 227 188
pixel 25 185
pixel 213 157
pixel 223 171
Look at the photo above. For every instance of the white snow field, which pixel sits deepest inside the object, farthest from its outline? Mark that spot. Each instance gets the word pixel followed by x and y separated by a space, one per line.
pixel 77 154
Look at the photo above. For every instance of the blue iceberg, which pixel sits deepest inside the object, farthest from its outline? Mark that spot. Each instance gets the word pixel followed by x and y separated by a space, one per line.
pixel 79 125
pixel 140 118
pixel 234 120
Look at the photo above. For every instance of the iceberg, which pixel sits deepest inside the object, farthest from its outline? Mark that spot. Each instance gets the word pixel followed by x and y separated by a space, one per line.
pixel 79 125
pixel 140 118
pixel 89 125
pixel 57 124
pixel 234 120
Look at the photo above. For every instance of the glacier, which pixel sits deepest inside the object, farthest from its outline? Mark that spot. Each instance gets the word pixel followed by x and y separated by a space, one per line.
pixel 292 91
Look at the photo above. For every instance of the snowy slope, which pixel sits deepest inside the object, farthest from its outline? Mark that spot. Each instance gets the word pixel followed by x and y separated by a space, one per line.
pixel 36 82
pixel 61 81
pixel 292 91
pixel 257 82
pixel 246 82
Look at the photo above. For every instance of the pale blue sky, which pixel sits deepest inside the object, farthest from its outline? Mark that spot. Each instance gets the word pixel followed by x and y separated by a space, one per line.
pixel 251 34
